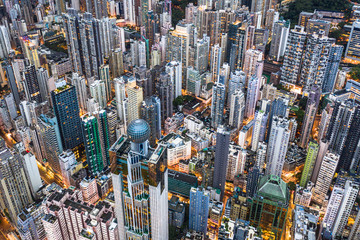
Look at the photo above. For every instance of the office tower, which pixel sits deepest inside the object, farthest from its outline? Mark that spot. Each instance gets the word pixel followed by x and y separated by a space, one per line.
pixel 236 81
pixel 215 61
pixel 90 131
pixel 174 70
pixel 310 114
pixel 116 63
pixel 340 121
pixel 135 97
pixel 355 231
pixel 252 181
pixel 218 104
pixel 315 60
pixel 293 56
pixel 312 152
pixel 349 157
pixel 151 113
pixel 252 96
pixel 147 182
pixel 66 110
pixel 221 159
pixel 253 64
pixel 5 45
pixel 259 129
pixel 352 50
pixel 201 55
pixel 237 109
pixel 347 203
pixel 64 208
pixel 279 37
pixel 332 67
pixel 199 209
pixel 16 192
pixel 334 203
pixel 50 133
pixel 324 178
pixel 32 88
pixel 32 171
pixel 166 95
pixel 193 81
pixel 277 146
pixel 89 190
pixel 12 83
pixel 98 92
pixel 273 195
pixel 236 45
pixel 11 106
pixel 104 73
pixel 120 95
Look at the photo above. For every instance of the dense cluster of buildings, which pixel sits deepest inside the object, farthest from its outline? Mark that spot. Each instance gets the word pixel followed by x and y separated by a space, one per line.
pixel 119 123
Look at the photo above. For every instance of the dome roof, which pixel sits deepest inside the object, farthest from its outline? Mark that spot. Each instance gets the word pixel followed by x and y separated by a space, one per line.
pixel 138 131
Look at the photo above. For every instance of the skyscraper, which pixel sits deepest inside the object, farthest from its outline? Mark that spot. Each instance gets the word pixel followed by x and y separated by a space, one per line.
pixel 259 129
pixel 151 113
pixel 279 37
pixel 252 96
pixel 237 109
pixel 253 64
pixel 236 45
pixel 347 203
pixel 16 193
pixel 135 97
pixel 98 92
pixel 145 189
pixel 218 104
pixel 310 114
pixel 340 122
pixel 66 109
pixel 315 60
pixel 221 159
pixel 312 152
pixel 201 56
pixel 236 82
pixel 12 82
pixel 332 68
pixel 199 209
pixel 334 203
pixel 269 206
pixel 174 69
pixel 324 178
pixel 80 85
pixel 277 147
pixel 352 49
pixel 293 56
pixel 120 95
pixel 166 95
pixel 279 107
pixel 32 88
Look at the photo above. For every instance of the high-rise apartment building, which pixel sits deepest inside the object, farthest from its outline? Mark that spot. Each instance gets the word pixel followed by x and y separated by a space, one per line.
pixel 310 114
pixel 98 92
pixel 324 178
pixel 332 68
pixel 32 87
pixel 237 109
pixel 259 129
pixel 15 188
pixel 166 95
pixel 252 96
pixel 352 50
pixel 279 37
pixel 293 56
pixel 135 97
pixel 277 146
pixel 174 69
